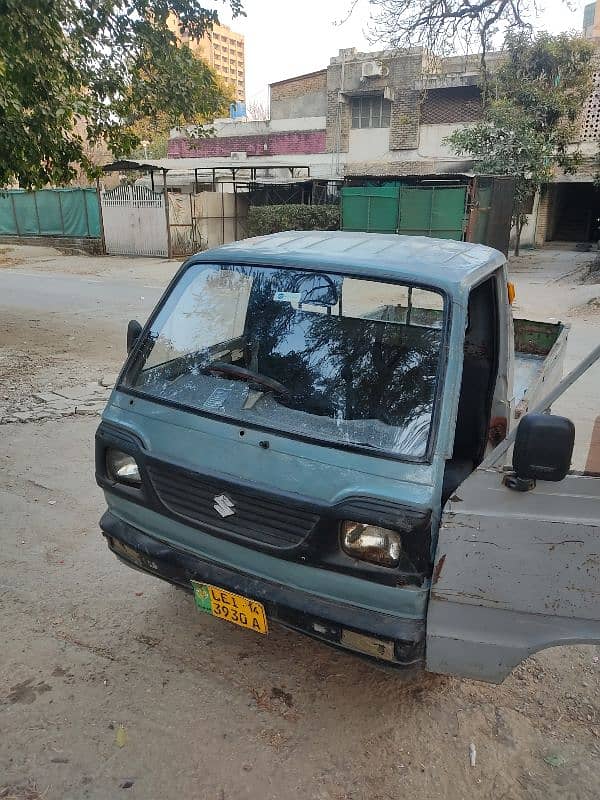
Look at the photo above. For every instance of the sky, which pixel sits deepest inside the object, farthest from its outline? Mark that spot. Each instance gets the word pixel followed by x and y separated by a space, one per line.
pixel 291 37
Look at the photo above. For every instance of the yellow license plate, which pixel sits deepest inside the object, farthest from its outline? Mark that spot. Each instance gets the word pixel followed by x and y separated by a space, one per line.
pixel 231 607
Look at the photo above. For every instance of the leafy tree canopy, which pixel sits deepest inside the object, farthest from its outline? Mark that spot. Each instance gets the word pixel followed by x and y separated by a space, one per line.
pixel 75 73
pixel 155 129
pixel 531 109
pixel 547 76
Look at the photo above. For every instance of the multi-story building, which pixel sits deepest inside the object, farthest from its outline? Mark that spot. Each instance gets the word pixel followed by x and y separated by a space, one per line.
pixel 384 113
pixel 223 50
pixel 388 114
pixel 591 24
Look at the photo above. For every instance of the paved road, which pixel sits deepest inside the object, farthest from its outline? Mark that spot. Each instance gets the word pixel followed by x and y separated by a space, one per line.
pixel 48 292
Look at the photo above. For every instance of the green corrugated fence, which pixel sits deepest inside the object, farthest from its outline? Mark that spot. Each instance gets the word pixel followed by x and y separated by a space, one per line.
pixel 50 212
pixel 370 208
pixel 438 211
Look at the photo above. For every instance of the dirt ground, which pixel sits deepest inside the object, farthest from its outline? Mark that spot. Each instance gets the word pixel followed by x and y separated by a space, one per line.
pixel 111 684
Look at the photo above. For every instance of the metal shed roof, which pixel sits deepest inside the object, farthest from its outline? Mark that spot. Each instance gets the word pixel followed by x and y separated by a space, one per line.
pixel 443 263
pixel 401 169
pixel 183 164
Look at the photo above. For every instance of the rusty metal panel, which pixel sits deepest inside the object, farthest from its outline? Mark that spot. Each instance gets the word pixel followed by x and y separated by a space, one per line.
pixel 491 211
pixel 515 572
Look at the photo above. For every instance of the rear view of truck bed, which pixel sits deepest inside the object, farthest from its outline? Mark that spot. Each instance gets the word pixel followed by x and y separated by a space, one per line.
pixel 540 349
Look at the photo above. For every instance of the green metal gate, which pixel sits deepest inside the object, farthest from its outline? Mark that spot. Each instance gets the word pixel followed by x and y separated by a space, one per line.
pixel 438 211
pixel 370 208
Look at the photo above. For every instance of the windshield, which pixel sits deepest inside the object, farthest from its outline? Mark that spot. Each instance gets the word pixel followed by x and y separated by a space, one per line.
pixel 334 358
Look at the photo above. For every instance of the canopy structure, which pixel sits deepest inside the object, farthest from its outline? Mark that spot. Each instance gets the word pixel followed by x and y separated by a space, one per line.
pixel 204 168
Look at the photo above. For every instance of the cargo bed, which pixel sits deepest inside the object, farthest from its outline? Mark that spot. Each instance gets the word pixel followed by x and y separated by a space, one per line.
pixel 540 349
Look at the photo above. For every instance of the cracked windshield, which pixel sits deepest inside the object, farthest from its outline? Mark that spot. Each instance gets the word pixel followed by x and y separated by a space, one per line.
pixel 337 359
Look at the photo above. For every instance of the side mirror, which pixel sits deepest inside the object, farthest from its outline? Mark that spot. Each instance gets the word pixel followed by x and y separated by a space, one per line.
pixel 134 330
pixel 543 448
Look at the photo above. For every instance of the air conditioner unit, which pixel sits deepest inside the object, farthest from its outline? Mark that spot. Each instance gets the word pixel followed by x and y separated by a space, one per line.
pixel 371 69
pixel 238 155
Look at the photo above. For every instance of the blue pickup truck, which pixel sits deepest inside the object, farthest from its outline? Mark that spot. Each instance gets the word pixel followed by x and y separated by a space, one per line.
pixel 302 432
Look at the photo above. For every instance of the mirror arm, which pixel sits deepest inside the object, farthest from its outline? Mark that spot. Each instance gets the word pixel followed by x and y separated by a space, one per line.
pixel 512 481
pixel 134 329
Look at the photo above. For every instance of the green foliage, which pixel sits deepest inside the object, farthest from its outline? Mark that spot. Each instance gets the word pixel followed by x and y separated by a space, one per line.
pixel 272 219
pixel 549 77
pixel 75 73
pixel 158 147
pixel 532 105
pixel 507 143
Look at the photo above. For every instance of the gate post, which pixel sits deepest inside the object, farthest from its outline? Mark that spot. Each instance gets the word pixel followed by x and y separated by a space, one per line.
pixel 166 201
pixel 101 217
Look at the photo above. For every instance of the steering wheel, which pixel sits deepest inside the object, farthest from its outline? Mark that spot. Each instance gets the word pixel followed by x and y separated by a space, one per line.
pixel 241 373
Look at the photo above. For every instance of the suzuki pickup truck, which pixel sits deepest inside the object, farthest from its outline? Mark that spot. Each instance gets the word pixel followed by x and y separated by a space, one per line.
pixel 312 429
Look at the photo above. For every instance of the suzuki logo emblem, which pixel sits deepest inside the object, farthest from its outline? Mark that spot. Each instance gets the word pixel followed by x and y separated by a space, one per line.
pixel 224 506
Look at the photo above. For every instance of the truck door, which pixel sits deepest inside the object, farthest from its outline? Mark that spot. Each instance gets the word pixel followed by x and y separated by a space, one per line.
pixel 518 571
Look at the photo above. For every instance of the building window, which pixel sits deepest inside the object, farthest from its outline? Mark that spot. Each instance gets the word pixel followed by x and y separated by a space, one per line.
pixel 371 112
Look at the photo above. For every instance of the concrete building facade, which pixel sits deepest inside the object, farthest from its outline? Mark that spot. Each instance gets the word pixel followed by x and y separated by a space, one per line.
pixel 386 112
pixel 389 113
pixel 223 50
pixel 568 209
pixel 591 22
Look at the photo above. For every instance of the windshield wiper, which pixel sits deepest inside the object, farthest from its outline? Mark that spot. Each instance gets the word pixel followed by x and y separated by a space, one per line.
pixel 247 375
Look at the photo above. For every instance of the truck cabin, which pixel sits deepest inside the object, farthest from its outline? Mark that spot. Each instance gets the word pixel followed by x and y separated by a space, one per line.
pixel 284 313
pixel 297 412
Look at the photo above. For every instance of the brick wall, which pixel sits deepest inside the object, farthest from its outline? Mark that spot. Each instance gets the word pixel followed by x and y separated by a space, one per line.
pixel 277 144
pixel 404 122
pixel 460 104
pixel 338 124
pixel 590 116
pixel 400 71
pixel 300 85
pixel 401 77
pixel 543 226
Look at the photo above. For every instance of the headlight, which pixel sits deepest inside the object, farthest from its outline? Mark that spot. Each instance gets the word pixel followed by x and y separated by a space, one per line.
pixel 371 543
pixel 122 467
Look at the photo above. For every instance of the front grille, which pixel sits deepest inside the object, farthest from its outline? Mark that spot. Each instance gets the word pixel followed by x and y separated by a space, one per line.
pixel 259 517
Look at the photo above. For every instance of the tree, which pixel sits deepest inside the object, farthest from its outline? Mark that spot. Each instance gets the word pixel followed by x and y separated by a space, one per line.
pixel 530 116
pixel 507 143
pixel 257 111
pixel 549 77
pixel 155 129
pixel 442 25
pixel 104 63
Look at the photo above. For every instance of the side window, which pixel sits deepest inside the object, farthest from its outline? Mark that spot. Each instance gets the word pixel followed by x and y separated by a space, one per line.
pixel 392 303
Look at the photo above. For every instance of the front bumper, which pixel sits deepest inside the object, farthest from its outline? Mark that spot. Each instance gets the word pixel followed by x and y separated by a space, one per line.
pixel 384 637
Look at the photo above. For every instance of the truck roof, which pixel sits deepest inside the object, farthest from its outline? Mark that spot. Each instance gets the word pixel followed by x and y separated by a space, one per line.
pixel 443 263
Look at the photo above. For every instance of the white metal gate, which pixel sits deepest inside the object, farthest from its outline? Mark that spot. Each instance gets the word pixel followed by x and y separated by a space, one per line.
pixel 134 222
